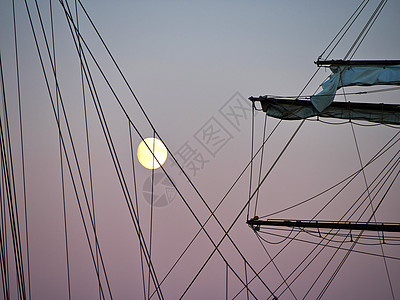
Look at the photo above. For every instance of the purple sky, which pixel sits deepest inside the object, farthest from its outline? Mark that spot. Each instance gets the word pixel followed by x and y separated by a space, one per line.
pixel 192 65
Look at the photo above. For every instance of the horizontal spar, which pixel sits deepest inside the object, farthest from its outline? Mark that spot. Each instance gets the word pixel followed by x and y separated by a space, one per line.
pixel 289 109
pixel 340 62
pixel 388 227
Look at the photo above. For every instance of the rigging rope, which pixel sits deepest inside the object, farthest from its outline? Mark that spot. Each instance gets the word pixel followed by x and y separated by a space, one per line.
pixel 251 157
pixel 61 158
pixel 151 211
pixel 274 264
pixel 189 180
pixel 137 208
pixel 365 30
pixel 351 20
pixel 261 163
pixel 8 170
pixel 372 208
pixel 22 150
pixel 62 139
pixel 88 146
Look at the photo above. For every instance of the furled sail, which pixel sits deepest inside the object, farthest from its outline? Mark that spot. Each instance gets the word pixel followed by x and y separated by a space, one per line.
pixel 354 75
pixel 289 109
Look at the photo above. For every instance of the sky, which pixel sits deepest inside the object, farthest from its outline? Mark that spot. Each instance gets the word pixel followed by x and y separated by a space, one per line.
pixel 192 66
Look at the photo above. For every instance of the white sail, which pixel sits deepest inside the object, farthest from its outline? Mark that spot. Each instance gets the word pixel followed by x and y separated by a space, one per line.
pixel 343 76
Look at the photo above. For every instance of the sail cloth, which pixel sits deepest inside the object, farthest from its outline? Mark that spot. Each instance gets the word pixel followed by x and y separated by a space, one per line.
pixel 354 76
pixel 289 109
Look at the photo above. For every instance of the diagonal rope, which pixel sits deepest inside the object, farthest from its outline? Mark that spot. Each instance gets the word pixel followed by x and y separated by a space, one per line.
pixel 8 169
pixel 61 159
pixel 372 208
pixel 148 120
pixel 88 146
pixel 110 144
pixel 251 156
pixel 383 150
pixel 204 202
pixel 151 210
pixel 137 207
pixel 276 267
pixel 261 163
pixel 218 205
pixel 62 139
pixel 22 151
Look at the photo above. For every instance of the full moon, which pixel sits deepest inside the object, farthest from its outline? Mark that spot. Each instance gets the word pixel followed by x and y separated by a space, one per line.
pixel 145 156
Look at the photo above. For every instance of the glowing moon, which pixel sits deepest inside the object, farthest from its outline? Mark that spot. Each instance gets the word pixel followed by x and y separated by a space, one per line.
pixel 145 156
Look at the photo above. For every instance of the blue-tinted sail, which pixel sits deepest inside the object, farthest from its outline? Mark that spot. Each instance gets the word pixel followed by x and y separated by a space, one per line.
pixel 354 76
pixel 289 109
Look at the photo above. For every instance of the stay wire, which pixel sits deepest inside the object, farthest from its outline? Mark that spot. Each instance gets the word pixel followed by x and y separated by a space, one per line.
pixel 295 238
pixel 263 268
pixel 226 281
pixel 186 176
pixel 137 206
pixel 325 267
pixel 172 157
pixel 61 159
pixel 215 209
pixel 371 205
pixel 350 177
pixel 387 190
pixel 109 141
pixel 4 252
pixel 391 165
pixel 244 207
pixel 11 192
pixel 251 156
pixel 58 93
pixel 312 259
pixel 151 209
pixel 22 150
pixel 353 17
pixel 274 264
pixel 366 33
pixel 314 217
pixel 3 240
pixel 331 259
pixel 245 273
pixel 116 163
pixel 304 268
pixel 261 163
pixel 59 129
pixel 365 30
pixel 353 245
pixel 336 271
pixel 4 256
pixel 349 250
pixel 88 144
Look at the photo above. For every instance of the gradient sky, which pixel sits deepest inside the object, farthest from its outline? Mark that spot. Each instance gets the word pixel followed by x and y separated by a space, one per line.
pixel 188 62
